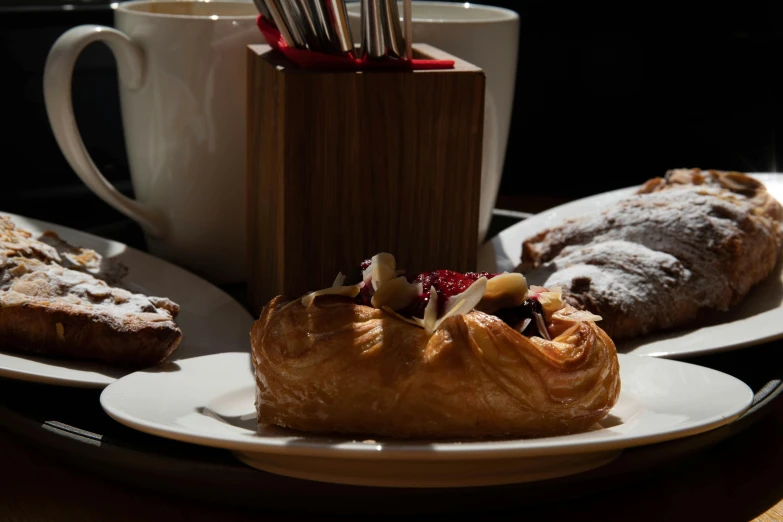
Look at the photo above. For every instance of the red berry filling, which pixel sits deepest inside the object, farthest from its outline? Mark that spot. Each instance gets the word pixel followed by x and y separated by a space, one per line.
pixel 448 284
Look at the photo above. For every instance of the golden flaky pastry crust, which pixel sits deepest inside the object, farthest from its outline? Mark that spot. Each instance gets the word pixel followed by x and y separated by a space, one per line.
pixel 337 366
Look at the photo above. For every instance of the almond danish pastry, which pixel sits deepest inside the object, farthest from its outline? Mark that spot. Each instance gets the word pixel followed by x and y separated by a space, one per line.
pixel 441 355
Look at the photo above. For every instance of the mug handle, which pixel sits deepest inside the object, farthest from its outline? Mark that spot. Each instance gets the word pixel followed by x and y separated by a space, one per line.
pixel 58 75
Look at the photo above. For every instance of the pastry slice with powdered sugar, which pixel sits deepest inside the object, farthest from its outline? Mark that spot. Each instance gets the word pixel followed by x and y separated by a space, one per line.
pixel 52 304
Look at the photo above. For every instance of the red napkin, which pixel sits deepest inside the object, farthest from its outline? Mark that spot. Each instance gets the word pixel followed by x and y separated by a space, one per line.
pixel 312 60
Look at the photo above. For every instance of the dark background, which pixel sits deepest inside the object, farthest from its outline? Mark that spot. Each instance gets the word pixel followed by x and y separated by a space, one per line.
pixel 606 97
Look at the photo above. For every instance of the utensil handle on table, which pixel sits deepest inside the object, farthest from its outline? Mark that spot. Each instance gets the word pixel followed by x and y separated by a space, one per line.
pixel 58 76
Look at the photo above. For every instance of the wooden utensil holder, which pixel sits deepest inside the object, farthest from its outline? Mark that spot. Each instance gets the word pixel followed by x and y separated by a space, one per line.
pixel 345 164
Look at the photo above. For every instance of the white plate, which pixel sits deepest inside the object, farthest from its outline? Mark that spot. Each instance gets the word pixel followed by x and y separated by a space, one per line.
pixel 211 321
pixel 210 401
pixel 757 319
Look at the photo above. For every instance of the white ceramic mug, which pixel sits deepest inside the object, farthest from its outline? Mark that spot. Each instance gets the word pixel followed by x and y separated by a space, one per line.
pixel 182 70
pixel 487 37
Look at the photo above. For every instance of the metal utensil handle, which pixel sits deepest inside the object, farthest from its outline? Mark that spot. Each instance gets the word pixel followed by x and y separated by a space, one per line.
pixel 339 15
pixel 283 15
pixel 310 27
pixel 278 15
pixel 407 7
pixel 295 22
pixel 372 30
pixel 395 44
pixel 264 10
pixel 324 22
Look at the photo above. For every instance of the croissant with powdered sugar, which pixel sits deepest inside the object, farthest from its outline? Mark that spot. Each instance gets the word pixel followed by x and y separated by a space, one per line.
pixel 693 241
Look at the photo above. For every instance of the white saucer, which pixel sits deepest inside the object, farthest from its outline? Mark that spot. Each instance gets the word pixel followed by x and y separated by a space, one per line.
pixel 757 319
pixel 210 401
pixel 211 321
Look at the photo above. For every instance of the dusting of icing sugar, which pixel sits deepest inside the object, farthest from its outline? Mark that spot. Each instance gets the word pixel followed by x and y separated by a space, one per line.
pixel 656 256
pixel 44 282
pixel 31 270
pixel 697 231
pixel 631 280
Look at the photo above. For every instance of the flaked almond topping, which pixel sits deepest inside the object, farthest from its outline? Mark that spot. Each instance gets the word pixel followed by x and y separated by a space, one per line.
pixel 121 296
pixel 98 291
pixel 507 283
pixel 459 304
pixel 551 299
pixel 506 290
pixel 525 323
pixel 467 300
pixel 347 291
pixel 381 270
pixel 541 324
pixel 19 270
pixel 382 274
pixel 339 280
pixel 153 318
pixel 396 294
pixel 384 269
pixel 572 315
pixel 464 302
pixel 401 317
pixel 84 258
pixel 571 330
pixel 734 182
pixel 377 275
pixel 385 288
pixel 430 312
pixel 535 290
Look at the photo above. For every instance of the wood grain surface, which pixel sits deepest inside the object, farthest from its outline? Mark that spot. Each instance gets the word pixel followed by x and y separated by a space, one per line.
pixel 343 165
pixel 738 480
